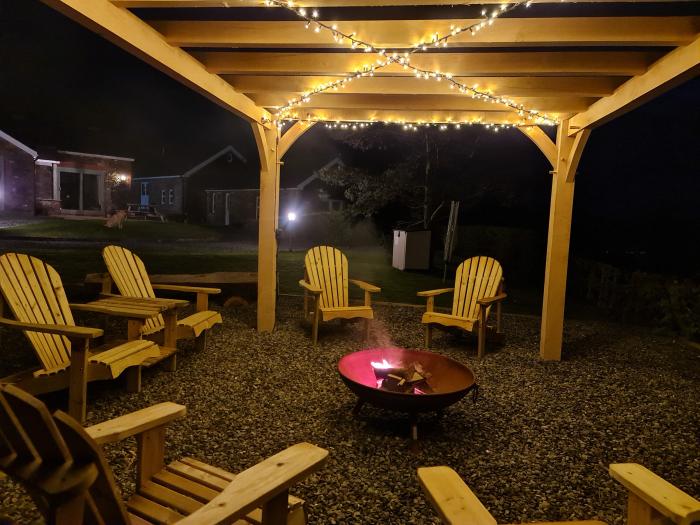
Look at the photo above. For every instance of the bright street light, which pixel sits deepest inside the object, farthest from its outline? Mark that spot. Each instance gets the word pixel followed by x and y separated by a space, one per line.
pixel 291 216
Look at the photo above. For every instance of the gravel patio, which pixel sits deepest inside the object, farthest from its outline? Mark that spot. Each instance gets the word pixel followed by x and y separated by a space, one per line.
pixel 535 446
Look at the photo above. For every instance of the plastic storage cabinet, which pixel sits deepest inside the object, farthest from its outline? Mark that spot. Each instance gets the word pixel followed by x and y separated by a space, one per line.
pixel 411 250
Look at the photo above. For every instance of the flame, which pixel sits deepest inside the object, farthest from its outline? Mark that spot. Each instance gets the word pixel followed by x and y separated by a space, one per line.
pixel 383 365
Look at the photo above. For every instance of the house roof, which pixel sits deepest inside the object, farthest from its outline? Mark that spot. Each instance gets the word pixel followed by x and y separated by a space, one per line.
pixel 206 162
pixel 308 180
pixel 16 143
pixel 95 155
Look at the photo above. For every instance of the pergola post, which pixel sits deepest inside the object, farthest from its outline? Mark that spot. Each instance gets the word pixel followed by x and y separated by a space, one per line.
pixel 271 148
pixel 569 151
pixel 267 141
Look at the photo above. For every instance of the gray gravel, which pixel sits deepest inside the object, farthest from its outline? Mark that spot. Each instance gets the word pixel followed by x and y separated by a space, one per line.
pixel 535 446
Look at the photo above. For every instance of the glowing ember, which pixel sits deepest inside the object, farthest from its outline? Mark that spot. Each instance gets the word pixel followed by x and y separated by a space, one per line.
pixel 383 365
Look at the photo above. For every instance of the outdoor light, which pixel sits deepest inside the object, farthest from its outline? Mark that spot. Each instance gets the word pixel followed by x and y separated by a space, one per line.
pixel 122 178
pixel 291 216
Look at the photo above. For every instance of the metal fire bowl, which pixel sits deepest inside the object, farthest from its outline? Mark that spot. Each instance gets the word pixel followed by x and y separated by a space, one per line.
pixel 450 380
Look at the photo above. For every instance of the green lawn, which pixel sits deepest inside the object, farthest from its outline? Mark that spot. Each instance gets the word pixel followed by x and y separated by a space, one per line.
pixel 158 245
pixel 94 229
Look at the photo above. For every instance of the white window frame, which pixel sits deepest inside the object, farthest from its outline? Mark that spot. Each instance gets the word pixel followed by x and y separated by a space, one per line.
pixel 212 210
pixel 171 196
pixel 162 196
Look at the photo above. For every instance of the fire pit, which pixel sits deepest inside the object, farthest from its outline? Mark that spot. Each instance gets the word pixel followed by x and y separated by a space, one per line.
pixel 408 381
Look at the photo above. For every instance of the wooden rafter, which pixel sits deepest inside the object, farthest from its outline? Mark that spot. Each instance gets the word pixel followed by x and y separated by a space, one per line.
pixel 334 3
pixel 397 34
pixel 407 115
pixel 539 63
pixel 507 86
pixel 669 71
pixel 453 102
pixel 132 34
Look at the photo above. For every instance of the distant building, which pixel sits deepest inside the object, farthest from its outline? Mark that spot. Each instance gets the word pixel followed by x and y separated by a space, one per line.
pixel 60 182
pixel 184 195
pixel 241 205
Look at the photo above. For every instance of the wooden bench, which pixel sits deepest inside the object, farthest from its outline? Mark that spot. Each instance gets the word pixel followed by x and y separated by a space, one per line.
pixel 226 281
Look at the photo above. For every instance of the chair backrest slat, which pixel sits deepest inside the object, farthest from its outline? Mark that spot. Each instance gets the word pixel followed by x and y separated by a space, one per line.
pixel 327 269
pixel 35 294
pixel 104 492
pixel 475 279
pixel 61 450
pixel 129 274
pixel 38 426
pixel 14 435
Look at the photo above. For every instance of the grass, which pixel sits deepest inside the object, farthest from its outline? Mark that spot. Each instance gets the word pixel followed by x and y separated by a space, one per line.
pixel 203 253
pixel 94 229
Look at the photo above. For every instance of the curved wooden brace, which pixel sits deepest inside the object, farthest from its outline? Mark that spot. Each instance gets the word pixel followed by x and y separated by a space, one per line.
pixel 292 135
pixel 542 141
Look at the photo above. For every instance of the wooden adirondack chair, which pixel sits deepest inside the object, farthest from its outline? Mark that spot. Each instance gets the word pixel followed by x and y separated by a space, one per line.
pixel 128 272
pixel 62 466
pixel 651 499
pixel 34 293
pixel 478 286
pixel 325 285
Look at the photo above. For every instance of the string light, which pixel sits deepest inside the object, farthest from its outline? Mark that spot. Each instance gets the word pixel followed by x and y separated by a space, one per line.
pixel 404 59
pixel 356 125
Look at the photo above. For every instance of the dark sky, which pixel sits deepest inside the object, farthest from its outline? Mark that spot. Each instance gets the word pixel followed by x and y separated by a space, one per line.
pixel 61 86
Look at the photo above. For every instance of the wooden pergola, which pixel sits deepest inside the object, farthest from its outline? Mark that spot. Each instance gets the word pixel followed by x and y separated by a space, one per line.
pixel 593 61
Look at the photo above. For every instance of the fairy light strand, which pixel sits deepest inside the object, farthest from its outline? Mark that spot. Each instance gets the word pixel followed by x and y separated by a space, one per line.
pixel 311 19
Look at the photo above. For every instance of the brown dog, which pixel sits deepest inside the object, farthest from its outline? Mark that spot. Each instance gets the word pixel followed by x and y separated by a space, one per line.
pixel 117 219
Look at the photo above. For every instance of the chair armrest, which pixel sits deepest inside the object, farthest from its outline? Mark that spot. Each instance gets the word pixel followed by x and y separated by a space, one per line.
pixel 453 500
pixel 111 310
pixel 433 293
pixel 309 288
pixel 78 332
pixel 488 301
pixel 135 422
pixel 193 289
pixel 365 286
pixel 658 493
pixel 259 484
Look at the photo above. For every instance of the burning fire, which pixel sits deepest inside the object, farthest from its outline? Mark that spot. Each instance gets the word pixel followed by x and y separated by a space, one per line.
pixel 383 365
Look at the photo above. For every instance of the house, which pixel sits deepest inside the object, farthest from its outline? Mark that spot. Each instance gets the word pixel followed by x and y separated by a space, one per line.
pixel 60 182
pixel 184 195
pixel 309 197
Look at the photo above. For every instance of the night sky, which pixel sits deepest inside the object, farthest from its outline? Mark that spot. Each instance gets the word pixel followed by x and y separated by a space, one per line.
pixel 637 190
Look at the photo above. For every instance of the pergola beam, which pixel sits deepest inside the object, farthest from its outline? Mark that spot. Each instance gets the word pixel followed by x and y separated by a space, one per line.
pixel 669 71
pixel 397 34
pixel 336 3
pixel 407 115
pixel 506 86
pixel 454 102
pixel 129 32
pixel 526 63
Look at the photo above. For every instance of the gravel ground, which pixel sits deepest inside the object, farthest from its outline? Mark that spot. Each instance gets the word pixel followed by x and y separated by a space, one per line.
pixel 534 447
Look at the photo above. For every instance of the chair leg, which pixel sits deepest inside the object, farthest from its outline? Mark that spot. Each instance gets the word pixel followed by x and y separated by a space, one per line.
pixel 171 363
pixel 275 511
pixel 428 335
pixel 482 340
pixel 314 329
pixel 133 379
pixel 200 342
